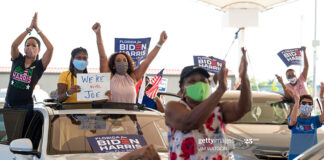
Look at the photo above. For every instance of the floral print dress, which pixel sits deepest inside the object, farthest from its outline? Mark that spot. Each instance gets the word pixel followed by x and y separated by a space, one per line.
pixel 209 144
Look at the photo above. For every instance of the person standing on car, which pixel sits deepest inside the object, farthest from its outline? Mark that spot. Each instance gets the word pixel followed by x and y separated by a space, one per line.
pixel 26 71
pixel 199 115
pixel 123 75
pixel 294 82
pixel 67 87
pixel 303 126
pixel 67 83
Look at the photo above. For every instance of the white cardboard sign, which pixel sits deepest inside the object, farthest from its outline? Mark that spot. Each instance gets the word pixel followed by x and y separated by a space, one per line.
pixel 93 86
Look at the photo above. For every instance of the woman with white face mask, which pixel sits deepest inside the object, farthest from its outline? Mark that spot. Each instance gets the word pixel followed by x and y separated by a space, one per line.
pixel 303 126
pixel 26 70
pixel 294 82
pixel 123 75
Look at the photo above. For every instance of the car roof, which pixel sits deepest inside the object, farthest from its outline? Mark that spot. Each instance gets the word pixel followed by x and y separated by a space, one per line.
pixel 52 111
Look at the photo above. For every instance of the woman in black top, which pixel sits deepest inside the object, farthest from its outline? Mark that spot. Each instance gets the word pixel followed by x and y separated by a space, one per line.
pixel 26 70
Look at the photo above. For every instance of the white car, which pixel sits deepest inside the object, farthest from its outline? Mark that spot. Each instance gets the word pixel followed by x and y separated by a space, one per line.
pixel 82 131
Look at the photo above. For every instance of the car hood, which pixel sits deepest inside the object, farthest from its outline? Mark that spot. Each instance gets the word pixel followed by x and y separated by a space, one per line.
pixel 264 135
pixel 94 156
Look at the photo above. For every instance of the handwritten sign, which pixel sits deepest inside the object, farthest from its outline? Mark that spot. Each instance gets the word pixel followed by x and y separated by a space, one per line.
pixel 116 143
pixel 137 48
pixel 212 65
pixel 291 56
pixel 93 86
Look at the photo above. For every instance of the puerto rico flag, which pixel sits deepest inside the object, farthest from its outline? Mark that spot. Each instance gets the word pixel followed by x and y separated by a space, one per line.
pixel 156 81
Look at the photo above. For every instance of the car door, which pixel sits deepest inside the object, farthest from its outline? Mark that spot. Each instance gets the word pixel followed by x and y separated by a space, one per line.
pixel 11 122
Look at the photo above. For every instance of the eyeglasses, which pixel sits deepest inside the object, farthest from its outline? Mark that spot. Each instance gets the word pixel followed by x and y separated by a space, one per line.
pixel 309 103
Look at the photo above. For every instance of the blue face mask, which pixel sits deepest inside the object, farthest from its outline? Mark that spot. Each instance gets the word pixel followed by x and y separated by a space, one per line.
pixel 80 65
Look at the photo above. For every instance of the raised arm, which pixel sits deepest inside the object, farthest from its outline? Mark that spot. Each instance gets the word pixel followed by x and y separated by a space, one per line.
pixel 18 40
pixel 102 54
pixel 305 71
pixel 139 72
pixel 321 119
pixel 287 93
pixel 294 112
pixel 49 47
pixel 159 104
pixel 177 116
pixel 233 111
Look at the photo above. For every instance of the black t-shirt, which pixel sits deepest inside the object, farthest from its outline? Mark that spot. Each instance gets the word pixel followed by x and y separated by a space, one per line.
pixel 23 81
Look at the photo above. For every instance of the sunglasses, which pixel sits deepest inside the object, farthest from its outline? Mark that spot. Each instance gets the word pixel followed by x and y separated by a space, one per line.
pixel 309 103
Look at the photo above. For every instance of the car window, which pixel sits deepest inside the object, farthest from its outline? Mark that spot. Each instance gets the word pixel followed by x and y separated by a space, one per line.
pixel 11 124
pixel 267 113
pixel 68 133
pixel 3 94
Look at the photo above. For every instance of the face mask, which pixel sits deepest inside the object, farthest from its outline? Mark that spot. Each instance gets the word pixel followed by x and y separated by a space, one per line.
pixel 198 91
pixel 306 109
pixel 80 65
pixel 31 52
pixel 292 80
pixel 121 67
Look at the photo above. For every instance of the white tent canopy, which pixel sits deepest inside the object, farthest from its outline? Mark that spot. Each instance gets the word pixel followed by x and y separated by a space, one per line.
pixel 262 5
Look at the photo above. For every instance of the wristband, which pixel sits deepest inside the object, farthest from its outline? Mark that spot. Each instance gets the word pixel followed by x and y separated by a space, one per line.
pixel 39 31
pixel 28 30
pixel 67 94
pixel 158 45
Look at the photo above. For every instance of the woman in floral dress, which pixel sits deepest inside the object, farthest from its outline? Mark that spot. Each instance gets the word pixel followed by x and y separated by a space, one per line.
pixel 197 122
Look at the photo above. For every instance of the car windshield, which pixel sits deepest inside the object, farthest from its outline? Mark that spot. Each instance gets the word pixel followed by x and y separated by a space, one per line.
pixel 267 113
pixel 69 133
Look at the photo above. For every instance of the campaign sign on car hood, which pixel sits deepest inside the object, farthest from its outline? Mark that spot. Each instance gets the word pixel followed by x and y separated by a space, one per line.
pixel 116 143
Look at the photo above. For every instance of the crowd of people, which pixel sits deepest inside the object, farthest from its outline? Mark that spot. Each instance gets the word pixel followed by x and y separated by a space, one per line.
pixel 199 113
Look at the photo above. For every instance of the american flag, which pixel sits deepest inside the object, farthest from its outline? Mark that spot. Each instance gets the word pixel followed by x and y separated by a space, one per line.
pixel 156 80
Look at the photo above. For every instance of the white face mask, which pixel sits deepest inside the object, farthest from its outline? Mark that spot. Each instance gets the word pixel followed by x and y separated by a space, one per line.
pixel 306 109
pixel 292 80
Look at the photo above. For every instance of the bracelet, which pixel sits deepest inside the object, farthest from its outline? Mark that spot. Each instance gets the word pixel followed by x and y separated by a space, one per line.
pixel 67 94
pixel 39 31
pixel 28 30
pixel 158 45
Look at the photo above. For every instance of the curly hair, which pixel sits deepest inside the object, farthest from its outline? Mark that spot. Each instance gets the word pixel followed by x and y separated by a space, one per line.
pixel 112 65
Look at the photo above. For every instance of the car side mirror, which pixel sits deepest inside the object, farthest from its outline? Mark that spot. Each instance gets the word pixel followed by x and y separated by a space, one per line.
pixel 23 146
